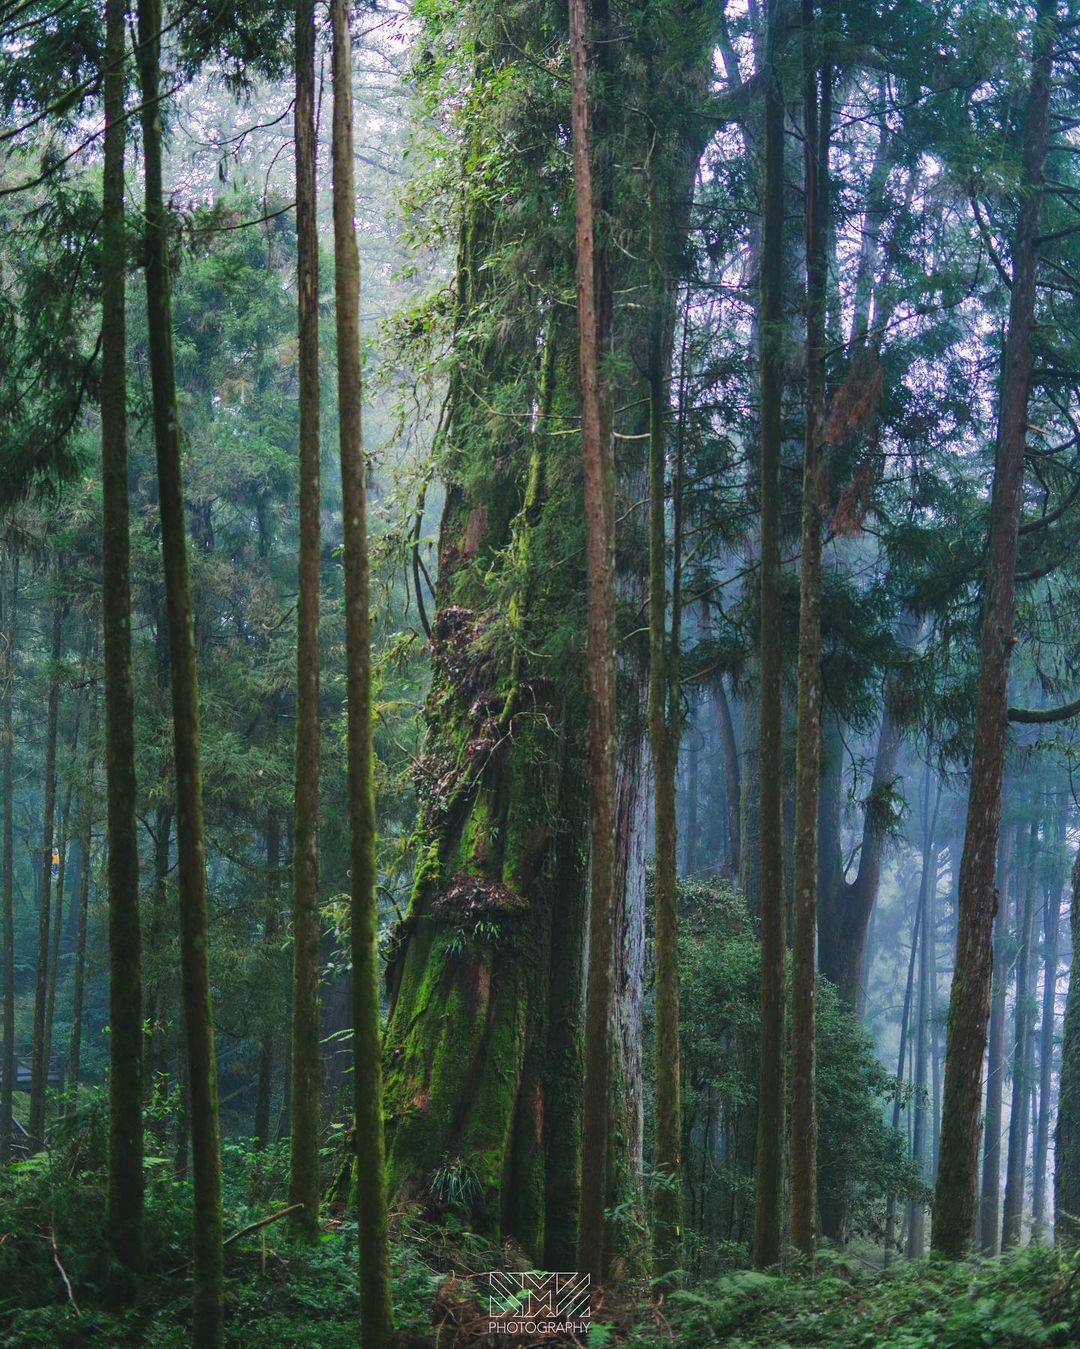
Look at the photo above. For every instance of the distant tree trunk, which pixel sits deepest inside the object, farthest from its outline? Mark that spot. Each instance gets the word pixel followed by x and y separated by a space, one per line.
pixel 817 127
pixel 919 1149
pixel 905 1021
pixel 664 744
pixel 208 1289
pixel 693 798
pixel 58 909
pixel 159 997
pixel 957 1182
pixel 265 1076
pixel 7 740
pixel 376 1313
pixel 729 752
pixel 769 1158
pixel 125 945
pixel 1019 1114
pixel 1051 923
pixel 82 903
pixel 990 1195
pixel 39 1071
pixel 306 1058
pixel 600 660
pixel 1067 1132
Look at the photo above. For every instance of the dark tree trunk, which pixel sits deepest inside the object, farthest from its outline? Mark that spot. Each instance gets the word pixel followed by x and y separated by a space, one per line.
pixel 265 1073
pixel 729 752
pixel 990 1196
pixel 957 1182
pixel 39 1071
pixel 376 1313
pixel 306 1057
pixel 81 907
pixel 916 1233
pixel 208 1288
pixel 769 1157
pixel 817 127
pixel 1016 1164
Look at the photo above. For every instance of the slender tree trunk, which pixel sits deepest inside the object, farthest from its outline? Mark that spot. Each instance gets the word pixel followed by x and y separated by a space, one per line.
pixel 7 739
pixel 82 904
pixel 957 1182
pixel 265 1076
pixel 990 1195
pixel 905 1020
pixel 39 1071
pixel 376 1314
pixel 769 1162
pixel 729 751
pixel 932 1008
pixel 919 1148
pixel 125 978
pixel 1016 1164
pixel 1067 1132
pixel 208 1286
pixel 817 124
pixel 1051 923
pixel 306 1056
pixel 664 744
pixel 56 933
pixel 600 658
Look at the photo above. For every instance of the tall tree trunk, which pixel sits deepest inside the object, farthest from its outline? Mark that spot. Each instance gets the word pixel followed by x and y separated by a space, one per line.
pixel 376 1314
pixel 957 1182
pixel 39 1070
pixel 306 1058
pixel 990 1194
pixel 1067 1132
pixel 56 933
pixel 664 745
pixel 7 741
pixel 817 126
pixel 600 659
pixel 1051 923
pixel 208 1286
pixel 769 1160
pixel 1016 1164
pixel 265 1073
pixel 125 977
pixel 932 1010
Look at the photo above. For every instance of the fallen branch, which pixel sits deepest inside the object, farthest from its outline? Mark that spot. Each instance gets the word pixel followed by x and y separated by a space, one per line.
pixel 243 1232
pixel 63 1271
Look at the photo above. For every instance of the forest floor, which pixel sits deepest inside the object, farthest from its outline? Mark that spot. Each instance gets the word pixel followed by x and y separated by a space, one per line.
pixel 57 1288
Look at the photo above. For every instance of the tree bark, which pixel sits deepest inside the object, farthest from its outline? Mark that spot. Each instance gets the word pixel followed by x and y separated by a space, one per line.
pixel 957 1182
pixel 1067 1132
pixel 990 1195
pixel 1051 923
pixel 208 1289
pixel 376 1313
pixel 306 1057
pixel 817 127
pixel 82 904
pixel 1019 1113
pixel 769 1161
pixel 600 661
pixel 39 1070
pixel 919 1144
pixel 265 1072
pixel 729 751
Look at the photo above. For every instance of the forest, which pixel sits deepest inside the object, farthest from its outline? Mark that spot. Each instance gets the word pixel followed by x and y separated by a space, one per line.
pixel 539 677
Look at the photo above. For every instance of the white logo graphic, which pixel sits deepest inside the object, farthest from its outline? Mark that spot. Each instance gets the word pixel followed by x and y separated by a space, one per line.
pixel 537 1302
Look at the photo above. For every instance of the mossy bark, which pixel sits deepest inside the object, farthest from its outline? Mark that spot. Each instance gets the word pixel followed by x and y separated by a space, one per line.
pixel 306 1057
pixel 208 1281
pixel 7 787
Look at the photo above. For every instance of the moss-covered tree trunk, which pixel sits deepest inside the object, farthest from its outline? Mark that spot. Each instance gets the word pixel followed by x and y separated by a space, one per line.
pixel 7 884
pixel 376 1314
pixel 208 1283
pixel 306 1059
pixel 81 908
pixel 957 1181
pixel 39 1068
pixel 769 1162
pixel 1067 1132
pixel 990 1192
